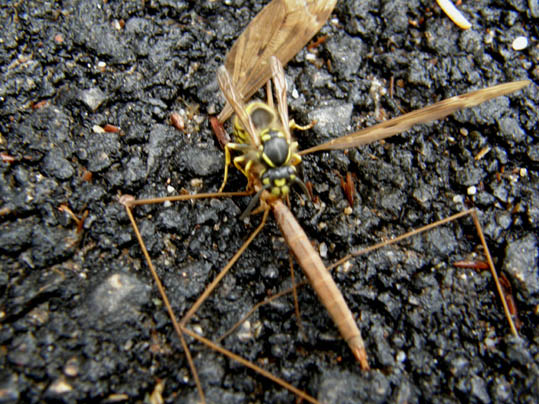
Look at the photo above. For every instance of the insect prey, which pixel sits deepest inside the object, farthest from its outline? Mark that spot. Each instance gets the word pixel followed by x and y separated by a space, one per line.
pixel 265 173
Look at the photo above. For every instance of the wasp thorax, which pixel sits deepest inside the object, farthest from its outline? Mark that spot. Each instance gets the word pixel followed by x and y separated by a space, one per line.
pixel 275 148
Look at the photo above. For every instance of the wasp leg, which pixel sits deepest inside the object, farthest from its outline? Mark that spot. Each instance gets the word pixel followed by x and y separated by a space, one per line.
pixel 293 125
pixel 232 146
pixel 243 164
pixel 295 159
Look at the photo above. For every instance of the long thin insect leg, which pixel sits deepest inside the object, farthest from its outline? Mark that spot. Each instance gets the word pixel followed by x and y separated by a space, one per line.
pixel 293 280
pixel 494 273
pixel 166 302
pixel 294 291
pixel 322 282
pixel 224 271
pixel 128 202
pixel 470 212
pixel 366 250
pixel 250 365
pixel 257 306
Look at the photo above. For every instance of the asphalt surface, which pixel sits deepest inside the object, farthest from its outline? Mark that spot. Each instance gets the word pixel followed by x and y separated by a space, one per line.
pixel 80 316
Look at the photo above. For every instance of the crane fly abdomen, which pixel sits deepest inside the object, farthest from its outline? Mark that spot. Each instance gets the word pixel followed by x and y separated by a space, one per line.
pixel 321 281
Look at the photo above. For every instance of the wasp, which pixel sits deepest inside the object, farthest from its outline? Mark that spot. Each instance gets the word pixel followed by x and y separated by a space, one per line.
pixel 269 156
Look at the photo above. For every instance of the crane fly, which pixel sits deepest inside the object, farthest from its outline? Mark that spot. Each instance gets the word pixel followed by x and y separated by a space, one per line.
pixel 268 157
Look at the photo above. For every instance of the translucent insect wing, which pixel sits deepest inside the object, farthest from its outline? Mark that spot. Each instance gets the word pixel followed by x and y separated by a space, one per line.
pixel 235 100
pixel 281 29
pixel 404 122
pixel 279 81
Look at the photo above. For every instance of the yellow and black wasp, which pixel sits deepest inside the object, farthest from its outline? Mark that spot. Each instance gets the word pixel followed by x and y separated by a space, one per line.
pixel 263 137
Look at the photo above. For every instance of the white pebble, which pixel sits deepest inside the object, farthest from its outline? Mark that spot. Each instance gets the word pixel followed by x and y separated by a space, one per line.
pixel 310 57
pixel 520 43
pixel 198 329
pixel 323 250
pixel 98 129
pixel 472 190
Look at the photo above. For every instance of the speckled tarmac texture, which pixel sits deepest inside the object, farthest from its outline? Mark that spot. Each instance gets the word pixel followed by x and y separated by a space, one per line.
pixel 80 318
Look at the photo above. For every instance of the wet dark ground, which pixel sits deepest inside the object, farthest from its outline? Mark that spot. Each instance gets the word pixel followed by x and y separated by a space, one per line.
pixel 80 316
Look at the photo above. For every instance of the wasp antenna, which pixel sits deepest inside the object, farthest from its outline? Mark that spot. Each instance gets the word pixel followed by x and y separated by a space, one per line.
pixel 253 202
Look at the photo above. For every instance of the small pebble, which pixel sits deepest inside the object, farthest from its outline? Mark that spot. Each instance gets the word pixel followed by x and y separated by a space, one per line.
pixel 60 386
pixel 98 129
pixel 323 250
pixel 198 329
pixel 310 57
pixel 520 43
pixel 458 199
pixel 71 368
pixel 196 183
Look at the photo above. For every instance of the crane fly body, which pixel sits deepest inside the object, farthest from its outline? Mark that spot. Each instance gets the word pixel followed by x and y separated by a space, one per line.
pixel 268 159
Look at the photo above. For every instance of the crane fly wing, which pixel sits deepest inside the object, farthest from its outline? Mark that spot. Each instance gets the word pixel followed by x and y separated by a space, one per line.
pixel 234 99
pixel 281 29
pixel 404 122
pixel 279 82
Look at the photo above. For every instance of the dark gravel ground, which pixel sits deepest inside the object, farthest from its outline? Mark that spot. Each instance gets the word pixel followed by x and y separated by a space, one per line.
pixel 80 317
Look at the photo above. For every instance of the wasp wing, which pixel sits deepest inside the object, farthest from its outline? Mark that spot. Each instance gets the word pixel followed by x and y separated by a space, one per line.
pixel 281 29
pixel 279 81
pixel 234 99
pixel 404 122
